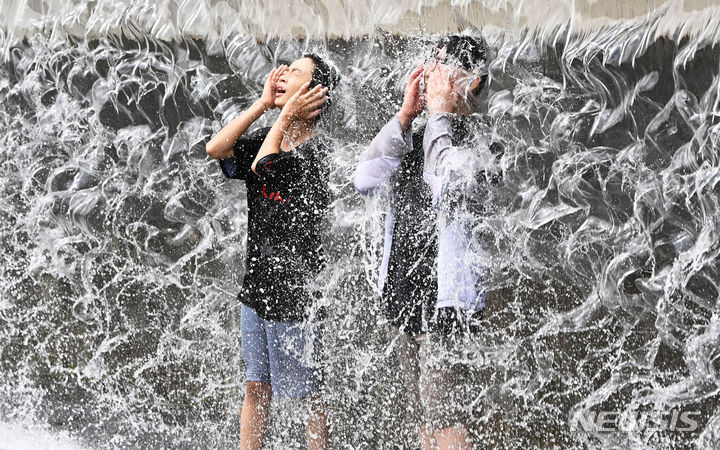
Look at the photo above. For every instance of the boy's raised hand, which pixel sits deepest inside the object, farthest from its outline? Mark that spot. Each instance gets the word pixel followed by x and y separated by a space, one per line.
pixel 414 99
pixel 268 95
pixel 442 96
pixel 305 103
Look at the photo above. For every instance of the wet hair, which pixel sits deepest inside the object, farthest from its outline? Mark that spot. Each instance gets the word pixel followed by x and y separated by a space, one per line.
pixel 325 75
pixel 466 52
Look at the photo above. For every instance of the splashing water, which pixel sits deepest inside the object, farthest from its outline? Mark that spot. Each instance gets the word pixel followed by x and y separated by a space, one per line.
pixel 123 244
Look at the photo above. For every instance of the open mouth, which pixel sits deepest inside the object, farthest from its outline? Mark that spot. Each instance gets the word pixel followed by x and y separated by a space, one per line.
pixel 279 90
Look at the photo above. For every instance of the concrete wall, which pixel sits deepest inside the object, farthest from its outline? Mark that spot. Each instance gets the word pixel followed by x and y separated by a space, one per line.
pixel 168 19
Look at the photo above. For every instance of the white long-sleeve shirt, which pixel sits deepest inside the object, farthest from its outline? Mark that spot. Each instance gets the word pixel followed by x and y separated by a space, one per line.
pixel 381 160
pixel 451 173
pixel 383 157
pixel 459 277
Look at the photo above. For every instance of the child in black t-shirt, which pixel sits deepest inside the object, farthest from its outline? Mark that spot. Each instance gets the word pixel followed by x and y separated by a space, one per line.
pixel 286 175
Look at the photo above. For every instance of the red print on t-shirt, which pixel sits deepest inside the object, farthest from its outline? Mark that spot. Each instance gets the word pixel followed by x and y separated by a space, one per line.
pixel 274 195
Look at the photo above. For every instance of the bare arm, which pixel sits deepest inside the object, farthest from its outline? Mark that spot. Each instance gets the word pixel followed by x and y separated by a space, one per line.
pixel 272 140
pixel 413 100
pixel 221 146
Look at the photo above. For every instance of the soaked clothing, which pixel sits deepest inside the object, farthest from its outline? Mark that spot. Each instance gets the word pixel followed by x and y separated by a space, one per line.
pixel 408 284
pixel 287 355
pixel 424 268
pixel 287 200
pixel 457 161
pixel 429 233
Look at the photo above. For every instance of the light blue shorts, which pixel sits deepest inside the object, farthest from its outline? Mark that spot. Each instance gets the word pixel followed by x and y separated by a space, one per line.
pixel 285 354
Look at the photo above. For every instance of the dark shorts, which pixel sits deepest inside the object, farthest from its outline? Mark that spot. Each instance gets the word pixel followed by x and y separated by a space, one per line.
pixel 285 354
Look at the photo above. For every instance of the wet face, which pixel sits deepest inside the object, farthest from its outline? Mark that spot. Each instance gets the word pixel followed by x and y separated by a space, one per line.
pixel 463 81
pixel 299 73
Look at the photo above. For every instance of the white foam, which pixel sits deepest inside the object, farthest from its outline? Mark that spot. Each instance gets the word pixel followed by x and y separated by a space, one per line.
pixel 21 437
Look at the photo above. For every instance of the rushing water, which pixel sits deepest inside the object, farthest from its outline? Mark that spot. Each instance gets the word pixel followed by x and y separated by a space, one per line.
pixel 122 244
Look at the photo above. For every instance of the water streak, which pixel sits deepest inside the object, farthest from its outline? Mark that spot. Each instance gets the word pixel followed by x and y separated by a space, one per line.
pixel 123 244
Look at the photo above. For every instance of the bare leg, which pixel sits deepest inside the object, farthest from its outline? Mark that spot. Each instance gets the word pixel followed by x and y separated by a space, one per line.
pixel 427 441
pixel 407 349
pixel 453 438
pixel 255 414
pixel 316 429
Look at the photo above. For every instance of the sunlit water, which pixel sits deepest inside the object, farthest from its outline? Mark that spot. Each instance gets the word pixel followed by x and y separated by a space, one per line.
pixel 122 243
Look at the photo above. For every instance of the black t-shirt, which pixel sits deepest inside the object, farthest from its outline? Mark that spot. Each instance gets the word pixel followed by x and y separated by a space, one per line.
pixel 287 200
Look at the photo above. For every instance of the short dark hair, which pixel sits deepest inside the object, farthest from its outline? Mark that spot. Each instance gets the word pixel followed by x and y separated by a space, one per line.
pixel 467 52
pixel 325 75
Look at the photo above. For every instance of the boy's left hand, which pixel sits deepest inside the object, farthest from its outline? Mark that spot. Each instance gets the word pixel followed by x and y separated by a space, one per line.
pixel 304 104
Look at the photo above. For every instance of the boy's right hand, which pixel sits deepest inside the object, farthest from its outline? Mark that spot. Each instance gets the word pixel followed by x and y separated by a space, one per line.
pixel 414 100
pixel 267 99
